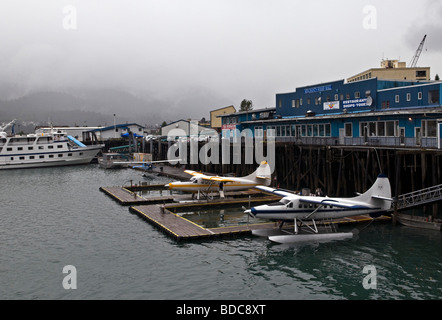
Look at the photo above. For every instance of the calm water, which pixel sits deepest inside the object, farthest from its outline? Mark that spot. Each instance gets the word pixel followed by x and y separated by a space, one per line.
pixel 54 217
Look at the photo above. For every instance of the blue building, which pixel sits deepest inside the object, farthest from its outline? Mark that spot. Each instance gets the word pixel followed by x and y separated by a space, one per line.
pixel 369 112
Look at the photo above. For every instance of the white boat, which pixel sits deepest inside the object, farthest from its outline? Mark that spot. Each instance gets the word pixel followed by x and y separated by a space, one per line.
pixel 47 150
pixel 113 161
pixel 420 222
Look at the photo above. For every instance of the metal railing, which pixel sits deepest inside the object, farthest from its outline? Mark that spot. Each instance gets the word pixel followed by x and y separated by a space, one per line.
pixel 420 197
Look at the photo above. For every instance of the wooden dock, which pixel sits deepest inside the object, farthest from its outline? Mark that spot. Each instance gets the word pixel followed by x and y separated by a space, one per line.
pixel 182 229
pixel 127 197
pixel 162 213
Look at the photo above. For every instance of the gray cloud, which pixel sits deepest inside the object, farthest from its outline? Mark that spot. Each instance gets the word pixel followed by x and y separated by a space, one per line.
pixel 200 55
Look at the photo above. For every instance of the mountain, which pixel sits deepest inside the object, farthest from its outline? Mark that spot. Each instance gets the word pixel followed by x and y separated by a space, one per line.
pixel 97 107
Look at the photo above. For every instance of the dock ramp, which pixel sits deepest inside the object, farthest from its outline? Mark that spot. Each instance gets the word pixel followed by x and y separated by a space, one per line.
pixel 418 198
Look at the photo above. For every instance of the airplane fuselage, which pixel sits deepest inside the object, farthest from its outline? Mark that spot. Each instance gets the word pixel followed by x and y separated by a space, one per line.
pixel 289 209
pixel 196 185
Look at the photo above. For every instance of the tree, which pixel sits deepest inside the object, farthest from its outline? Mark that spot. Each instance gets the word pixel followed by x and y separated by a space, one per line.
pixel 437 77
pixel 246 105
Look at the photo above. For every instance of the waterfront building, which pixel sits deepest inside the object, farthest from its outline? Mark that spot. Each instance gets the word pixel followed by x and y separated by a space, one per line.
pixel 393 70
pixel 373 112
pixel 117 131
pixel 215 120
pixel 182 128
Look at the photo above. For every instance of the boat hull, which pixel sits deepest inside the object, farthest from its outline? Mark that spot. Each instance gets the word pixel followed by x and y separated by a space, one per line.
pixel 67 158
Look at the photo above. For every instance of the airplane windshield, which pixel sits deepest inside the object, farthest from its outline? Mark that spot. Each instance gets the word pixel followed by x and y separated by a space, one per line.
pixel 283 202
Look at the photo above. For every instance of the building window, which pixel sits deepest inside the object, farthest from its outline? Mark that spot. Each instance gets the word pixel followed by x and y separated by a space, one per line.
pixel 429 128
pixel 419 95
pixel 421 74
pixel 348 129
pixel 396 98
pixel 357 95
pixel 390 125
pixel 408 96
pixel 433 96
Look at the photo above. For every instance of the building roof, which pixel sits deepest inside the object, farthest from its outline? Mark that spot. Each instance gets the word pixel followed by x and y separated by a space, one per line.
pixel 250 111
pixel 118 126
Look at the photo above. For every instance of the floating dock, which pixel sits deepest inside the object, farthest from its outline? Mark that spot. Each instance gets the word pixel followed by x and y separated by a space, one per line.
pixel 182 229
pixel 162 212
pixel 127 197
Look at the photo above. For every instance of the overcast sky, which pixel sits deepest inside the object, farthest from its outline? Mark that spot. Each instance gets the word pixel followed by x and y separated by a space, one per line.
pixel 234 49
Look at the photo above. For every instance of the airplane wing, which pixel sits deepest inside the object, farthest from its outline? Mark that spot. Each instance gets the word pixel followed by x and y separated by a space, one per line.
pixel 193 173
pixel 218 179
pixel 341 203
pixel 139 162
pixel 278 192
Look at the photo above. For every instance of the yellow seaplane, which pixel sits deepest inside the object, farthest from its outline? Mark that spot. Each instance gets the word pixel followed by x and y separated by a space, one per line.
pixel 203 185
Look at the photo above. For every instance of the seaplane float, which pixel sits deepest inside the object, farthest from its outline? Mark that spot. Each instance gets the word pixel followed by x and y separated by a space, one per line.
pixel 203 185
pixel 304 211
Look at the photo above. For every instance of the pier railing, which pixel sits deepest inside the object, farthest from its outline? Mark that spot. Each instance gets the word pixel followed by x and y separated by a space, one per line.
pixel 429 143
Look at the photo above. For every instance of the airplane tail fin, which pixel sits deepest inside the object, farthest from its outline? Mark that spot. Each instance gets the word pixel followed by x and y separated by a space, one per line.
pixel 379 194
pixel 263 175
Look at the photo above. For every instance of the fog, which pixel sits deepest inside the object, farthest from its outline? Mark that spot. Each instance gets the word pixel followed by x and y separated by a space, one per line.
pixel 198 55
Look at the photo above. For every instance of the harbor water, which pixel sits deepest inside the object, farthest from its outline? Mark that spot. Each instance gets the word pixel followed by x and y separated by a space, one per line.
pixel 57 217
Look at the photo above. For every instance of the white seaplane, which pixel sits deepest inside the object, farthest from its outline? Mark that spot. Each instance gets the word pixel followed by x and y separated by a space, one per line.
pixel 300 209
pixel 202 184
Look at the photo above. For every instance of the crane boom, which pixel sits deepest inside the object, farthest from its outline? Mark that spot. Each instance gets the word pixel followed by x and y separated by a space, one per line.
pixel 418 53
